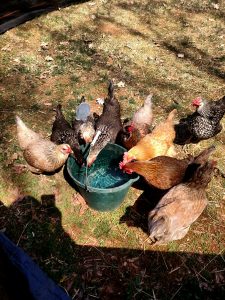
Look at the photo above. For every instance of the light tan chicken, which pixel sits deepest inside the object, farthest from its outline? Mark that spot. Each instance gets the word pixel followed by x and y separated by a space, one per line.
pixel 158 142
pixel 142 118
pixel 180 207
pixel 41 155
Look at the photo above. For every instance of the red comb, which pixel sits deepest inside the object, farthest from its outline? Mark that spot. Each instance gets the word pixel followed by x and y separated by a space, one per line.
pixel 197 101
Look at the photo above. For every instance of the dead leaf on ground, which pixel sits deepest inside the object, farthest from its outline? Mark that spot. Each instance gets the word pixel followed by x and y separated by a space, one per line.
pixel 19 168
pixel 79 200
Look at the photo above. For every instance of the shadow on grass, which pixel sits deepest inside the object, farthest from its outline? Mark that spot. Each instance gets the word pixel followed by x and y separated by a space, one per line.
pixel 16 12
pixel 91 272
pixel 198 57
pixel 137 215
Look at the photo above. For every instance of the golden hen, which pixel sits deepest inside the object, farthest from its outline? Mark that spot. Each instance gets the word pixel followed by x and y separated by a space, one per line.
pixel 158 142
pixel 41 155
pixel 163 172
pixel 180 207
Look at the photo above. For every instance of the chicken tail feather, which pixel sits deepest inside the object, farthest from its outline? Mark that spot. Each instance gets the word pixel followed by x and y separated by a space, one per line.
pixel 111 90
pixel 172 115
pixel 157 229
pixel 204 155
pixel 58 111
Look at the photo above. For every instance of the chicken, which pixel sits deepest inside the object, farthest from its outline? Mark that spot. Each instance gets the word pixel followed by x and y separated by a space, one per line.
pixel 41 155
pixel 107 127
pixel 128 137
pixel 136 128
pixel 84 123
pixel 164 172
pixel 180 207
pixel 142 118
pixel 62 132
pixel 199 160
pixel 158 142
pixel 203 124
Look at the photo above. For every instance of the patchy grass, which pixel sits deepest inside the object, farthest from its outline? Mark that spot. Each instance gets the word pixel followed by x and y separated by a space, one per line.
pixel 59 57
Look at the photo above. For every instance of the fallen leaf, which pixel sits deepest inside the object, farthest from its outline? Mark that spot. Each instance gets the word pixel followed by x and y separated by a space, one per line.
pixel 64 43
pixel 48 58
pixel 19 168
pixel 14 156
pixel 79 200
pixel 215 5
pixel 47 103
pixel 44 46
pixel 121 84
pixel 100 101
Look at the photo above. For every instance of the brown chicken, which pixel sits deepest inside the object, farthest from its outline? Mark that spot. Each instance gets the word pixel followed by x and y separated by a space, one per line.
pixel 158 142
pixel 128 137
pixel 41 155
pixel 180 207
pixel 164 172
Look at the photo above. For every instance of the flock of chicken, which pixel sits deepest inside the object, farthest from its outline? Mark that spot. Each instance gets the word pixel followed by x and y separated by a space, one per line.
pixel 150 154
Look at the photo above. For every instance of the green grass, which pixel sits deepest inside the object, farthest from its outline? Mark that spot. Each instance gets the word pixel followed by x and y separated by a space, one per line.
pixel 94 253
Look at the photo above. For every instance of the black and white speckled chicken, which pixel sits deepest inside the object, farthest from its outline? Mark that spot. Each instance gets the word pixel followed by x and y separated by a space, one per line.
pixel 62 132
pixel 203 124
pixel 107 127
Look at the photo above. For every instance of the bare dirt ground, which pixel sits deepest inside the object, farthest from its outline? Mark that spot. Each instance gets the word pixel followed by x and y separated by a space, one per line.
pixel 174 49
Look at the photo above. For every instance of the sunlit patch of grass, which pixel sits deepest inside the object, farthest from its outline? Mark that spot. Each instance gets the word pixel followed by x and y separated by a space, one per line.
pixel 137 44
pixel 173 246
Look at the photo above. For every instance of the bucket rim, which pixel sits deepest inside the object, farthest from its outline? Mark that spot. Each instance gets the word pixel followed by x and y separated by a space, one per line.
pixel 101 190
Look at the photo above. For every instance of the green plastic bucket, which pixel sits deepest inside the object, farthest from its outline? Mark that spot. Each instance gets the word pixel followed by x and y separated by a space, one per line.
pixel 106 185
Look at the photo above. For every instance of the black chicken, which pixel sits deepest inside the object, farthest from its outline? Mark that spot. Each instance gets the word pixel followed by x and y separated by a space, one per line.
pixel 107 126
pixel 62 132
pixel 203 124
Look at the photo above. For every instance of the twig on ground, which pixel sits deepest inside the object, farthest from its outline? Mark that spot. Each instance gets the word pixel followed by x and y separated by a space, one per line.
pixel 210 261
pixel 164 261
pixel 176 293
pixel 22 233
pixel 153 293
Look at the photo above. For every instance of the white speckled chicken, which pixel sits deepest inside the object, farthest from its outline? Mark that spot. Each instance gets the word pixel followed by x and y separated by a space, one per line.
pixel 41 155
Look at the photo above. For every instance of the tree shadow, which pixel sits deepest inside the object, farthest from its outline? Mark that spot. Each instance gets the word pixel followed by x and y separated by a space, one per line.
pixel 90 272
pixel 205 62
